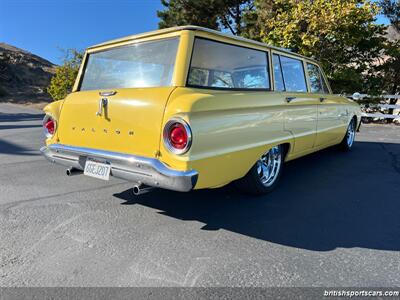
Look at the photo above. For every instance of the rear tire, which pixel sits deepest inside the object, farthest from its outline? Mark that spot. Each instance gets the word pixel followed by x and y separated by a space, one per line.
pixel 264 175
pixel 348 141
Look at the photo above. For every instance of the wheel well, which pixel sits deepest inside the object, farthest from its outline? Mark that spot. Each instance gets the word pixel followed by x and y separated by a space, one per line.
pixel 357 125
pixel 286 148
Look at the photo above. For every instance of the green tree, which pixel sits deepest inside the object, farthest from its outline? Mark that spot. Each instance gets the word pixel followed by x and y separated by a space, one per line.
pixel 62 82
pixel 386 74
pixel 341 34
pixel 214 14
pixel 391 9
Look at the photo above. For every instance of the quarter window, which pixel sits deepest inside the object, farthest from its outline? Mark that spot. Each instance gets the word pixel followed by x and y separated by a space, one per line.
pixel 219 65
pixel 317 81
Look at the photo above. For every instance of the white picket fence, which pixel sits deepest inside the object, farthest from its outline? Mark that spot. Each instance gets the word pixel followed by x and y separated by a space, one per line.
pixel 357 96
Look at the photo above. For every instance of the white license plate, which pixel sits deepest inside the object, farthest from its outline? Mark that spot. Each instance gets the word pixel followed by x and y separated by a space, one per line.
pixel 97 170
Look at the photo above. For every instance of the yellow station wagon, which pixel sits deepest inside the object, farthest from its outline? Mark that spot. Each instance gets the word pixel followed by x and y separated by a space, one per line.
pixel 191 108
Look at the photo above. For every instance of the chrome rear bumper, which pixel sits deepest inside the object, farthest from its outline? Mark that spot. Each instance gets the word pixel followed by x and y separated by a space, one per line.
pixel 148 171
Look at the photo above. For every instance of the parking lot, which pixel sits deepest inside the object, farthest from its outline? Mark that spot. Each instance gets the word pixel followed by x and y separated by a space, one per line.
pixel 333 221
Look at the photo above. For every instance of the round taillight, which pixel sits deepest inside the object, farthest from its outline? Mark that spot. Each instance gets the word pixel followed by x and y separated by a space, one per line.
pixel 49 126
pixel 177 136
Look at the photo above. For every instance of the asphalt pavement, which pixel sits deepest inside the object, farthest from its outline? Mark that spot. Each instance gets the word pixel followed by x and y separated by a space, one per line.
pixel 333 221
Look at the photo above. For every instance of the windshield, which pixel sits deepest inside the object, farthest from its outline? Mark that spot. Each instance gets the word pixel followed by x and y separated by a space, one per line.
pixel 148 64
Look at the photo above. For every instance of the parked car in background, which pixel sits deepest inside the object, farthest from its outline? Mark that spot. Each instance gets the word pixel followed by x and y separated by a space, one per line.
pixel 191 108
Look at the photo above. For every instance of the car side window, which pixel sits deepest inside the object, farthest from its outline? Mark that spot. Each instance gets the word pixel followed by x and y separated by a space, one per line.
pixel 293 74
pixel 317 81
pixel 251 78
pixel 219 65
pixel 199 76
pixel 203 77
pixel 222 79
pixel 278 76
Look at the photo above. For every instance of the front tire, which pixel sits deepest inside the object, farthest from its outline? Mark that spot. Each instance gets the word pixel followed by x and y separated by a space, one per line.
pixel 348 140
pixel 264 175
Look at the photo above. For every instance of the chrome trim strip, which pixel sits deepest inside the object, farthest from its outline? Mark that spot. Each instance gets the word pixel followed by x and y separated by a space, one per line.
pixel 107 93
pixel 149 171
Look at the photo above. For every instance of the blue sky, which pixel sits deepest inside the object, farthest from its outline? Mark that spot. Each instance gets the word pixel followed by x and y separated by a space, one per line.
pixel 43 27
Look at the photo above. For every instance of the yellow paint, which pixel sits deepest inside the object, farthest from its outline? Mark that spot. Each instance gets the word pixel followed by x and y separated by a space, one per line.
pixel 131 124
pixel 231 129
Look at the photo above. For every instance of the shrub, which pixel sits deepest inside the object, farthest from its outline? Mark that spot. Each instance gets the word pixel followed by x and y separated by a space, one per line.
pixel 63 81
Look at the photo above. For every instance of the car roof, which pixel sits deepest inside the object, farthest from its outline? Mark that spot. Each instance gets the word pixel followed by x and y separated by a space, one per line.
pixel 197 28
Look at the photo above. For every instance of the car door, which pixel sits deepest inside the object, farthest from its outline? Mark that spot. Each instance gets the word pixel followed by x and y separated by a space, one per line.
pixel 301 108
pixel 329 111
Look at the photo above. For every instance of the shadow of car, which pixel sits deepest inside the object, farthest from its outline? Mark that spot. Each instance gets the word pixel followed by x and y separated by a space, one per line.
pixel 326 200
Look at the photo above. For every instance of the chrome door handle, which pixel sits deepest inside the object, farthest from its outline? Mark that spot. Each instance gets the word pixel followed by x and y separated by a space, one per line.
pixel 289 99
pixel 107 93
pixel 102 103
pixel 322 99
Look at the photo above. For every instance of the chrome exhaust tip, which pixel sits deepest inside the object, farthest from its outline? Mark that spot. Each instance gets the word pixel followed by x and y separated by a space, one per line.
pixel 139 189
pixel 73 171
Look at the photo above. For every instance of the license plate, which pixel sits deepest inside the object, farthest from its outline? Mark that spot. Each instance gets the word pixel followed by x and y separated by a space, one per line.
pixel 97 170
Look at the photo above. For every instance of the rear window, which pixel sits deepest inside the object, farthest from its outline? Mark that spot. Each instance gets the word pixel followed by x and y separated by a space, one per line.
pixel 219 65
pixel 148 64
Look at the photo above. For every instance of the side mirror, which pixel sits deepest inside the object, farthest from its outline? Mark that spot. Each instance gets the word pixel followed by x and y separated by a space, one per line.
pixel 356 96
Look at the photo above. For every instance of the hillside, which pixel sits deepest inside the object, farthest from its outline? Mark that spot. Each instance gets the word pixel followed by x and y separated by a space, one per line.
pixel 24 76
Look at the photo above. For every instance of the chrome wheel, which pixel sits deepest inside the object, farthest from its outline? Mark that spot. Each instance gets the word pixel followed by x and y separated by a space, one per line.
pixel 351 132
pixel 269 165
